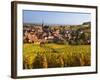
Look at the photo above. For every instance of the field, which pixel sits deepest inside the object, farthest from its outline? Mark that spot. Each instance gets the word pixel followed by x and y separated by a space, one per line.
pixel 53 55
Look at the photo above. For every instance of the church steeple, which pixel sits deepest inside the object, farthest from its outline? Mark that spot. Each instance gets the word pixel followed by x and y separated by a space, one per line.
pixel 42 23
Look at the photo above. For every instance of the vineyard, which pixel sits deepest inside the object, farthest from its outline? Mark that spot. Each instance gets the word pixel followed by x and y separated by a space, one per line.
pixel 53 55
pixel 52 46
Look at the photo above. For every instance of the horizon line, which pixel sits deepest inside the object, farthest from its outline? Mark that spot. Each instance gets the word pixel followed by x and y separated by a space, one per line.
pixel 54 24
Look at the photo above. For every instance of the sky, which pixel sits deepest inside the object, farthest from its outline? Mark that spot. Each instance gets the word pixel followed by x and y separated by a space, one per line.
pixel 51 17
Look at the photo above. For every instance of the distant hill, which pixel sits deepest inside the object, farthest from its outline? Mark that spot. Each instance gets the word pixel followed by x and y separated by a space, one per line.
pixel 39 24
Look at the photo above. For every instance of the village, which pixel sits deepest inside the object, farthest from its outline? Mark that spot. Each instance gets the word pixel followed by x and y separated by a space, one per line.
pixel 60 34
